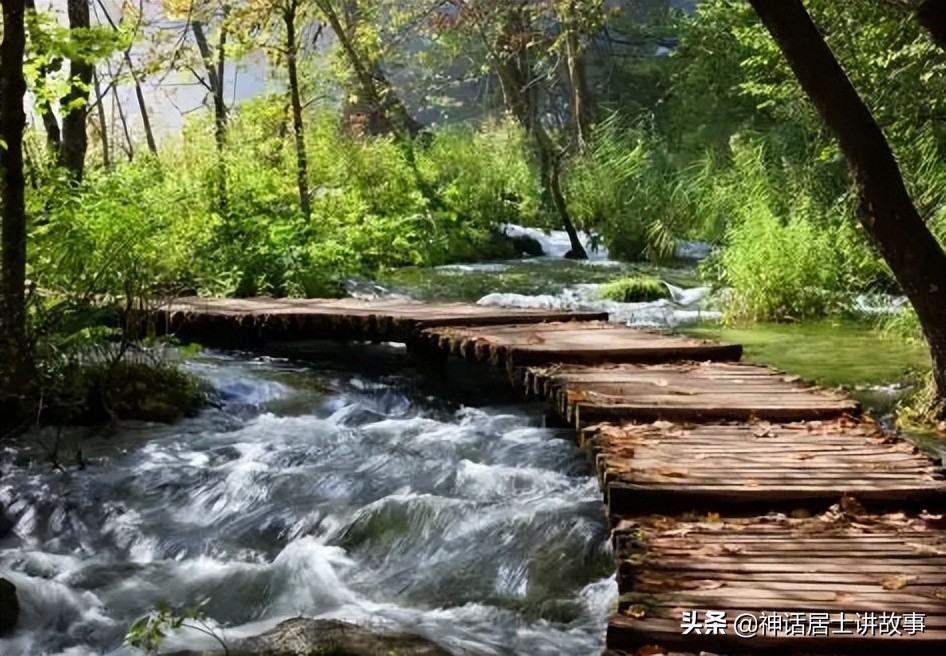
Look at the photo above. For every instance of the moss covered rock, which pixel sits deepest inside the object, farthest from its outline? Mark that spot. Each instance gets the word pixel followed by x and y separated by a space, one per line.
pixel 638 289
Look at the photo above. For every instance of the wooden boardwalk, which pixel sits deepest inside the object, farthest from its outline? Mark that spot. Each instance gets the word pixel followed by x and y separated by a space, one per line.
pixel 688 391
pixel 835 583
pixel 779 472
pixel 656 467
pixel 394 320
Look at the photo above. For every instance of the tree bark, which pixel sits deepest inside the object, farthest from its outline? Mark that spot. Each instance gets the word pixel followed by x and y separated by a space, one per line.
pixel 44 107
pixel 75 141
pixel 885 208
pixel 215 73
pixel 516 76
pixel 389 113
pixel 14 352
pixel 932 16
pixel 139 94
pixel 298 128
pixel 103 124
pixel 580 103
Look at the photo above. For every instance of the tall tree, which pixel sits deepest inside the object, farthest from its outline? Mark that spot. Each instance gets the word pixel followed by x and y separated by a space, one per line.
pixel 275 26
pixel 75 141
pixel 574 17
pixel 885 208
pixel 12 123
pixel 290 11
pixel 387 111
pixel 135 77
pixel 513 43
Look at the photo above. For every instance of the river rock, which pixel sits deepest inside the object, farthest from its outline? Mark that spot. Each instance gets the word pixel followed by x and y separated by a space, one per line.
pixel 9 607
pixel 7 523
pixel 525 245
pixel 303 636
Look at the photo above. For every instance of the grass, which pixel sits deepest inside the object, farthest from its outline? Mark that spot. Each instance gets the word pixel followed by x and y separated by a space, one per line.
pixel 838 353
pixel 633 290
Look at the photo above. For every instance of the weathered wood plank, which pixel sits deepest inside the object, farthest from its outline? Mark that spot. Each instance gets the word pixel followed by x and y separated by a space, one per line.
pixel 252 319
pixel 516 345
pixel 661 467
pixel 704 391
pixel 867 564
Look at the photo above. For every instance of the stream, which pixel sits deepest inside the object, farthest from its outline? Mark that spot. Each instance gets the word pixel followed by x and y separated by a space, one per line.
pixel 321 490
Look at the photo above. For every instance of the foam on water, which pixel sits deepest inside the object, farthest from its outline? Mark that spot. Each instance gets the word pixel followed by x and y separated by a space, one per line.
pixel 472 526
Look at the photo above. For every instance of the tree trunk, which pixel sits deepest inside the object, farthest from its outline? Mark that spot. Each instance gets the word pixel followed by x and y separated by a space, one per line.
pixel 515 75
pixel 117 103
pixel 298 129
pixel 139 94
pixel 14 354
pixel 44 107
pixel 388 111
pixel 75 141
pixel 580 103
pixel 215 72
pixel 932 16
pixel 103 124
pixel 885 207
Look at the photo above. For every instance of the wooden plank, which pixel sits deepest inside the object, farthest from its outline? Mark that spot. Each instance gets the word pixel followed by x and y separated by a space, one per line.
pixel 706 391
pixel 248 319
pixel 663 467
pixel 518 345
pixel 826 564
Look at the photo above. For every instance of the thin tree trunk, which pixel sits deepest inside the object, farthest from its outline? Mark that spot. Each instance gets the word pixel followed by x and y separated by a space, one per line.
pixel 302 166
pixel 75 141
pixel 103 125
pixel 580 102
pixel 129 146
pixel 515 74
pixel 43 105
pixel 885 208
pixel 932 16
pixel 390 112
pixel 215 71
pixel 14 353
pixel 139 94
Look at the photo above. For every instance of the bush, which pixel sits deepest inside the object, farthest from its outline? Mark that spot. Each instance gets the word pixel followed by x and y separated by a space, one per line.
pixel 633 290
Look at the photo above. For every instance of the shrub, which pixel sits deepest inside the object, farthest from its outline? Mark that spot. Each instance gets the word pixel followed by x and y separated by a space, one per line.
pixel 633 290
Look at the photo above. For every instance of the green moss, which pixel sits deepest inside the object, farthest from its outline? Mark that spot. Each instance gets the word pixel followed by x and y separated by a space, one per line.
pixel 830 353
pixel 633 290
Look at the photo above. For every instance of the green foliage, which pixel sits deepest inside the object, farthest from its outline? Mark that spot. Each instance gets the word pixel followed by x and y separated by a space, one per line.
pixel 633 290
pixel 150 226
pixel 627 188
pixel 148 633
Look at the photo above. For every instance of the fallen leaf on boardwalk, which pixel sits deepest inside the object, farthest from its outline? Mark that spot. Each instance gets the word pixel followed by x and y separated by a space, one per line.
pixel 842 597
pixel 926 549
pixel 661 382
pixel 710 585
pixel 804 456
pixel 712 518
pixel 732 549
pixel 934 521
pixel 651 650
pixel 763 430
pixel 851 506
pixel 671 473
pixel 897 582
pixel 636 611
pixel 535 338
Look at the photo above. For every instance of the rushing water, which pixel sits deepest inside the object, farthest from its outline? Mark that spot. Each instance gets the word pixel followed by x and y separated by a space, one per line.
pixel 318 491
